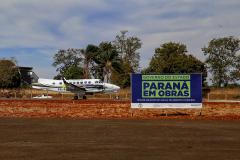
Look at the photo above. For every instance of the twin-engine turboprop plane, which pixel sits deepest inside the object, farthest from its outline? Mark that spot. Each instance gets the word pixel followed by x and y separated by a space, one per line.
pixel 80 87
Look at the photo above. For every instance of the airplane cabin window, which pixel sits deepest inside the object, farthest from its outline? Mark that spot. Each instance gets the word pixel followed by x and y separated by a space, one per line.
pixel 53 83
pixel 89 82
pixel 77 82
pixel 81 82
pixel 96 81
pixel 73 82
pixel 60 83
pixel 85 82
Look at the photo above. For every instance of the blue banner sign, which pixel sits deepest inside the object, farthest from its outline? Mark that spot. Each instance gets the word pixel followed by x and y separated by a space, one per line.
pixel 166 91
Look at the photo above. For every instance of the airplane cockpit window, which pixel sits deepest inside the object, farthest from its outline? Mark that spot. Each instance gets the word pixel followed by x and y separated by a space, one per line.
pixel 100 82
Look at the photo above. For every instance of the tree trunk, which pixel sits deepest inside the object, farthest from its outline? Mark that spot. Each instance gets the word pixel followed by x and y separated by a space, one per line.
pixel 86 69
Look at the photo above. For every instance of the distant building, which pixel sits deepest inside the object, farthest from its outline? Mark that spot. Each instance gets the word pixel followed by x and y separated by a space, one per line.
pixel 27 75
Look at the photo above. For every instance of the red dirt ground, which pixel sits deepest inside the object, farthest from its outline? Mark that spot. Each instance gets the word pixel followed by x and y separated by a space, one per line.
pixel 113 109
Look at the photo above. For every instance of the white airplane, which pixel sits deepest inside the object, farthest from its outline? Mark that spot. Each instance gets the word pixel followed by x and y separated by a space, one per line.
pixel 80 87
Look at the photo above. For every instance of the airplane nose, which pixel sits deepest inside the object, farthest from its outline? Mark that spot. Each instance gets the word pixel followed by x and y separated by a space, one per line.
pixel 111 87
pixel 116 87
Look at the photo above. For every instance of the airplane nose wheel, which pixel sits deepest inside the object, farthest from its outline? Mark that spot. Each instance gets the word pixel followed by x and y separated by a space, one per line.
pixel 75 97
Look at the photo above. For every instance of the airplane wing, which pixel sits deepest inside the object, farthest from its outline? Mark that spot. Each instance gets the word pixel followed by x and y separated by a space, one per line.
pixel 73 88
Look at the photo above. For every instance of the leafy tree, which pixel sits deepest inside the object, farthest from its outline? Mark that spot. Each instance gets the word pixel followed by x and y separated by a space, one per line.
pixel 10 76
pixel 107 60
pixel 72 72
pixel 65 58
pixel 68 63
pixel 89 53
pixel 171 57
pixel 223 60
pixel 127 48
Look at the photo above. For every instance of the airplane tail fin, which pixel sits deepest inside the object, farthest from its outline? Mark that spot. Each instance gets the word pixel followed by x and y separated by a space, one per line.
pixel 64 80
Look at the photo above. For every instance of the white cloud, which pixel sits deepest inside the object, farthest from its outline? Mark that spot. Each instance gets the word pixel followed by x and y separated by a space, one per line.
pixel 50 25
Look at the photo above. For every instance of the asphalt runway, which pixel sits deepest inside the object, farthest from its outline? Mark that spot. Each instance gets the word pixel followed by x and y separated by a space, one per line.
pixel 58 139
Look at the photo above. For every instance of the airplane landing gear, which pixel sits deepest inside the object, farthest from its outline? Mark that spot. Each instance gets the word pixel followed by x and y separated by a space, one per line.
pixel 79 96
pixel 75 97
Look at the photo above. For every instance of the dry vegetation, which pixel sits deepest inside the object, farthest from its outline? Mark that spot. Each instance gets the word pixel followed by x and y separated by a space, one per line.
pixel 224 94
pixel 29 93
pixel 214 94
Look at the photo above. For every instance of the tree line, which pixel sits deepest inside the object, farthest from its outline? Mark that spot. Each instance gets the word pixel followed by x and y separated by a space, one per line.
pixel 109 61
pixel 114 61
pixel 9 74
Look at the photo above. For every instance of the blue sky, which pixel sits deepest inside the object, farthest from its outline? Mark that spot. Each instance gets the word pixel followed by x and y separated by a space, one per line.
pixel 32 31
